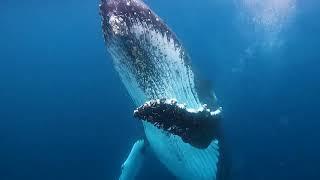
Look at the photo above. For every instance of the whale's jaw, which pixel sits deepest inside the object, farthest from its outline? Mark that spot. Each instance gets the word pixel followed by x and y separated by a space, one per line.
pixel 153 64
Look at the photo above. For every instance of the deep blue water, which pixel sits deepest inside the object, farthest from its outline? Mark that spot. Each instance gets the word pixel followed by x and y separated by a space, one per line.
pixel 65 115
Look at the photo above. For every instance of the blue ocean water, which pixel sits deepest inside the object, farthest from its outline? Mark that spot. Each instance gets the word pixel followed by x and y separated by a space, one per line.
pixel 64 113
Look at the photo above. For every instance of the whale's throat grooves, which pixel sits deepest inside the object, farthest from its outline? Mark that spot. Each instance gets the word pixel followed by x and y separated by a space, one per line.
pixel 148 56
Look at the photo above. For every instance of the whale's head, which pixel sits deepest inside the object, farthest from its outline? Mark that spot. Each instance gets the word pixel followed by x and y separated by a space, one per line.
pixel 147 54
pixel 120 17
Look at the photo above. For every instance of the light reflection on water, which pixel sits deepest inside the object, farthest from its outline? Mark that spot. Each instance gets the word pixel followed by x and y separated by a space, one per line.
pixel 271 15
pixel 264 21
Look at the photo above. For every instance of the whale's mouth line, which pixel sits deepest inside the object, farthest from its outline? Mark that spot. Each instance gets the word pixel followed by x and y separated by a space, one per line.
pixel 198 127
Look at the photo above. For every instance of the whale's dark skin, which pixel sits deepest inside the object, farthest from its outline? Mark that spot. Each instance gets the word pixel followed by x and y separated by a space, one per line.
pixel 153 64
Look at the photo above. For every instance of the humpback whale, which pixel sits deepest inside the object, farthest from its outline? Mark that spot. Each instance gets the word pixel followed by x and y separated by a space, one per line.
pixel 181 120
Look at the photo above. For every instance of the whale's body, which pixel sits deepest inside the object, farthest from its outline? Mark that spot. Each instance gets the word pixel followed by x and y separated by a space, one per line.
pixel 153 64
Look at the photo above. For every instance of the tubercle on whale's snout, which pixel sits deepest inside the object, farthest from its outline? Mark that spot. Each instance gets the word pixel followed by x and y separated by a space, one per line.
pixel 115 16
pixel 108 6
pixel 118 6
pixel 110 23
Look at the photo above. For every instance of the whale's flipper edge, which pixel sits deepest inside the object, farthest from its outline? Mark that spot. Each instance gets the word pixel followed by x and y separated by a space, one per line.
pixel 196 127
pixel 130 168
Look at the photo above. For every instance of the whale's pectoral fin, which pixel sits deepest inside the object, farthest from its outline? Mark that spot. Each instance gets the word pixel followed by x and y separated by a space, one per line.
pixel 196 127
pixel 133 163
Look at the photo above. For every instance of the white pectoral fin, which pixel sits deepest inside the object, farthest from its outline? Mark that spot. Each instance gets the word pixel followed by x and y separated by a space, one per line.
pixel 133 163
